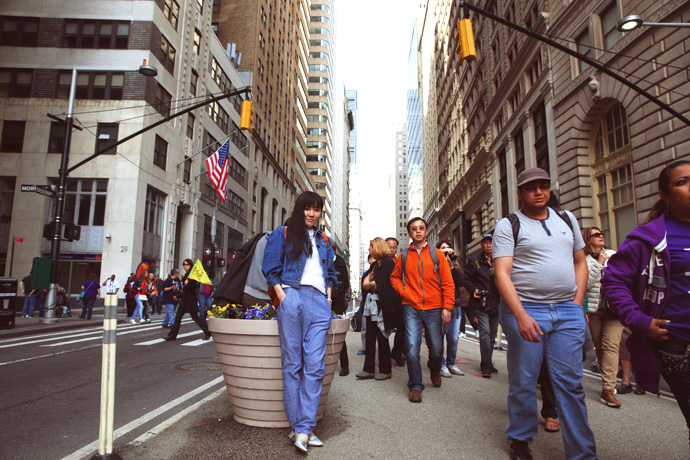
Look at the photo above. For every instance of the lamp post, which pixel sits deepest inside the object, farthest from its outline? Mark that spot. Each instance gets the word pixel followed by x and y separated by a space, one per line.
pixel 634 21
pixel 49 318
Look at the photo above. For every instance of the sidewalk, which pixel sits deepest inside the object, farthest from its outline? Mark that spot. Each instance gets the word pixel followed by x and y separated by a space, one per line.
pixel 464 419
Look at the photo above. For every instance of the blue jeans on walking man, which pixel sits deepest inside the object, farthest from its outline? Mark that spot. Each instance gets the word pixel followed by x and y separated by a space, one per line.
pixel 169 315
pixel 563 326
pixel 304 317
pixel 433 323
pixel 451 331
pixel 29 305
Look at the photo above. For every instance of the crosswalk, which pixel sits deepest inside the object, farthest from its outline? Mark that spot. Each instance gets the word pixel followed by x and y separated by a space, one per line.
pixel 55 340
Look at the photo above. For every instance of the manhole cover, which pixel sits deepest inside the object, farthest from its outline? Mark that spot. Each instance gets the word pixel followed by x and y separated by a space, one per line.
pixel 198 367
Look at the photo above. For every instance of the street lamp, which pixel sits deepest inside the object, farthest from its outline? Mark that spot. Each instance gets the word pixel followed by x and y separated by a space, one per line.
pixel 144 69
pixel 634 21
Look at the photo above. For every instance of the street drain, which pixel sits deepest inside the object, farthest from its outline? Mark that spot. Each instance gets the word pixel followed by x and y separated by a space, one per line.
pixel 198 367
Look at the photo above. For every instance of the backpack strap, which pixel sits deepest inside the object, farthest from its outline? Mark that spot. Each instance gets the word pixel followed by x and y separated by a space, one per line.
pixel 515 223
pixel 403 261
pixel 563 215
pixel 434 259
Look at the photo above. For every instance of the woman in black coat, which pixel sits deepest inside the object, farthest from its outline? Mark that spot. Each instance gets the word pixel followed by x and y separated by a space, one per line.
pixel 188 304
pixel 380 308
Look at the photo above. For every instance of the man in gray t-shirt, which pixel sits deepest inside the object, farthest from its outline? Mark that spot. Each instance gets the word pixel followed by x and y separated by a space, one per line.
pixel 542 279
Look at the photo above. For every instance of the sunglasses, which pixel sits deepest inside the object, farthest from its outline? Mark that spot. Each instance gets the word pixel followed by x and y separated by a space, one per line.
pixel 596 235
pixel 533 187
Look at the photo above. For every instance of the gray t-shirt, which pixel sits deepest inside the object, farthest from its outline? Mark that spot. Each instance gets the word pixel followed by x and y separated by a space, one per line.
pixel 543 269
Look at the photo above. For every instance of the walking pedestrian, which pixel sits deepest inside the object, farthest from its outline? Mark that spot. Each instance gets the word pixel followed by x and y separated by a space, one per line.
pixel 451 330
pixel 170 296
pixel 188 304
pixel 160 284
pixel 541 275
pixel 30 294
pixel 130 294
pixel 646 283
pixel 428 295
pixel 398 351
pixel 90 292
pixel 298 266
pixel 204 299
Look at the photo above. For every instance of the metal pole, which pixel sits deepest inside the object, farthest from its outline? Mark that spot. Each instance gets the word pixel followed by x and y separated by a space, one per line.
pixel 106 427
pixel 51 298
pixel 11 257
pixel 213 239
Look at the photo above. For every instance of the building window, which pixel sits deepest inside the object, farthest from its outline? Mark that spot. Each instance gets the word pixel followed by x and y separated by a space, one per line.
pixel 197 42
pixel 163 101
pixel 92 85
pixel 519 143
pixel 503 181
pixel 216 6
pixel 85 202
pixel 160 152
pixel 609 18
pixel 236 205
pixel 237 172
pixel 541 146
pixel 239 139
pixel 190 126
pixel 96 34
pixel 56 141
pixel 18 31
pixel 15 82
pixel 584 46
pixel 192 83
pixel 615 193
pixel 106 136
pixel 12 136
pixel 167 55
pixel 187 173
pixel 219 115
pixel 171 10
pixel 154 216
pixel 199 6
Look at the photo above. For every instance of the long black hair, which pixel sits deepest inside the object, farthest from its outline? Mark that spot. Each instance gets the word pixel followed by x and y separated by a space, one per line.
pixel 664 184
pixel 297 236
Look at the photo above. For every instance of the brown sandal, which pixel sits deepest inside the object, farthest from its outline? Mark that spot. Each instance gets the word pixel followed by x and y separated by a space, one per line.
pixel 551 425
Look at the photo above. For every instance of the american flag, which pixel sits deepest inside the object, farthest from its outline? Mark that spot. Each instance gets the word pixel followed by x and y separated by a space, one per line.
pixel 217 166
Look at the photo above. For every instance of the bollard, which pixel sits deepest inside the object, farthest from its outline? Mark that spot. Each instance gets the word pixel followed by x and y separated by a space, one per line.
pixel 105 432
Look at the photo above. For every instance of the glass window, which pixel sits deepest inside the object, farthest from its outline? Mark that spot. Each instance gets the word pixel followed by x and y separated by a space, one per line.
pixel 85 202
pixel 106 136
pixel 18 31
pixel 197 42
pixel 609 18
pixel 12 136
pixel 96 34
pixel 15 82
pixel 163 101
pixel 92 85
pixel 190 126
pixel 56 141
pixel 171 10
pixel 160 152
pixel 584 46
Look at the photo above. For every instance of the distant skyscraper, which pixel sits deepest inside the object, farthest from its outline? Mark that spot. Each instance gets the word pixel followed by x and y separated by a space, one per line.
pixel 401 190
pixel 352 103
pixel 414 135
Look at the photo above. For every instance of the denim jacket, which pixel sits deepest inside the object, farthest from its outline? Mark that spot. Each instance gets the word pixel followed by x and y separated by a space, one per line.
pixel 280 267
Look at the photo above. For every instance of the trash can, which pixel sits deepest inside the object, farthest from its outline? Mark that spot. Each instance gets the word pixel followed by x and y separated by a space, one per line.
pixel 8 297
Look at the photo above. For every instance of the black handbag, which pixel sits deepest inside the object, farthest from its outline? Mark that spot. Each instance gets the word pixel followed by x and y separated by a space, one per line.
pixel 356 322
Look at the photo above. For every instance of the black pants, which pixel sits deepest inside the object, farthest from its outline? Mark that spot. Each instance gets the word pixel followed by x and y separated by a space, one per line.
pixel 398 352
pixel 178 322
pixel 374 335
pixel 131 305
pixel 344 360
pixel 548 397
pixel 468 317
pixel 675 367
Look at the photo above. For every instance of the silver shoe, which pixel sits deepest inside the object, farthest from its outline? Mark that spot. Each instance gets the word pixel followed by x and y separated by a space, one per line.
pixel 444 372
pixel 455 370
pixel 299 443
pixel 314 441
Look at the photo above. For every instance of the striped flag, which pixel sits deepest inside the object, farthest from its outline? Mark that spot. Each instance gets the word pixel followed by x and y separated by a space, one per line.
pixel 217 166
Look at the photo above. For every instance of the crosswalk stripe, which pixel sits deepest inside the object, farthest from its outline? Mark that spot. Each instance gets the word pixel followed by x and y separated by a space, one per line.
pixel 154 341
pixel 123 331
pixel 196 343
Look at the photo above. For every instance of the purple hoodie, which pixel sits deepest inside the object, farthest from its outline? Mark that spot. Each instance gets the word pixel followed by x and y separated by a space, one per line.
pixel 636 286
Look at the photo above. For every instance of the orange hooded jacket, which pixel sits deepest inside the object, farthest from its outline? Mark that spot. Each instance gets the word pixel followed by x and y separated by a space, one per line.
pixel 426 295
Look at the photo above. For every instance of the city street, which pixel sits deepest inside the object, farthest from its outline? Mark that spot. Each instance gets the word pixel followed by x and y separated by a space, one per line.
pixel 171 403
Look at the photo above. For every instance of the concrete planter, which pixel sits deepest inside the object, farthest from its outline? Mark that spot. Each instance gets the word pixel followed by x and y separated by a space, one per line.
pixel 249 356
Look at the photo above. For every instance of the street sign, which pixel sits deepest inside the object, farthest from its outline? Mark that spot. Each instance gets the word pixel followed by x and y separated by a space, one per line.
pixel 45 190
pixel 18 239
pixel 217 251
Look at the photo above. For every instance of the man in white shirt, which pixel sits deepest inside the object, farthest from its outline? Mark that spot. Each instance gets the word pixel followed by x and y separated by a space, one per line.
pixel 111 285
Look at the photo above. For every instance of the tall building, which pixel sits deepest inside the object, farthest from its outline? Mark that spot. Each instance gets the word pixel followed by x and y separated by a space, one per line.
pixel 415 178
pixel 401 191
pixel 273 39
pixel 352 105
pixel 147 199
pixel 524 104
pixel 356 259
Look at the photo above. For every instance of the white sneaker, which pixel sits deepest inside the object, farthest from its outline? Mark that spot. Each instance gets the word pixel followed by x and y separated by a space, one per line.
pixel 444 372
pixel 463 335
pixel 132 321
pixel 455 370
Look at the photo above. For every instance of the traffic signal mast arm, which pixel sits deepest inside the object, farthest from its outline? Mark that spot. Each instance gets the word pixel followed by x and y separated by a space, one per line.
pixel 575 54
pixel 246 89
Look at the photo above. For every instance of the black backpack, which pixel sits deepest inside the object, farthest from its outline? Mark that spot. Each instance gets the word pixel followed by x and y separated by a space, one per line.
pixel 231 287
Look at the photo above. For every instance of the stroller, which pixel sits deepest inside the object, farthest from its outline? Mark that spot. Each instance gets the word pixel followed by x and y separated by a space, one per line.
pixel 62 308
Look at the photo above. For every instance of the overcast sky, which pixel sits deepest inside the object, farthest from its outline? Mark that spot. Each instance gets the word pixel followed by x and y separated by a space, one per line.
pixel 373 40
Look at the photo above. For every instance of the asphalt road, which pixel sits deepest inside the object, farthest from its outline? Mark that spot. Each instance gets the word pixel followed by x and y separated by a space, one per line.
pixel 171 404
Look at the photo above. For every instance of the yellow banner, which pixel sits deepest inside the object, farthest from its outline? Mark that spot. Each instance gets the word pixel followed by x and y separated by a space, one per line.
pixel 198 273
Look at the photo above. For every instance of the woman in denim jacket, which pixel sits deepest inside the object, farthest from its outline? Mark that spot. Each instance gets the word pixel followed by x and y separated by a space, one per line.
pixel 298 265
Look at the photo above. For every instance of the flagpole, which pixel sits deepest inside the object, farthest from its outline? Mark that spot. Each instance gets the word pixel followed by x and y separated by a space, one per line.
pixel 213 238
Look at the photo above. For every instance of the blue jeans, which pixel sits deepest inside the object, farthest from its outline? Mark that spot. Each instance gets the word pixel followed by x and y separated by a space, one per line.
pixel 29 305
pixel 87 305
pixel 304 317
pixel 414 320
pixel 205 303
pixel 138 309
pixel 169 314
pixel 563 326
pixel 451 332
pixel 488 328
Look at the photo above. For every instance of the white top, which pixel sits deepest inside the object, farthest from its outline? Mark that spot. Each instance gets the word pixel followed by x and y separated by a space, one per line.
pixel 313 273
pixel 111 286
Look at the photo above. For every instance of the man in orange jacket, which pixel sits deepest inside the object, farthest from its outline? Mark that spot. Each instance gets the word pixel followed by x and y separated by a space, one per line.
pixel 428 294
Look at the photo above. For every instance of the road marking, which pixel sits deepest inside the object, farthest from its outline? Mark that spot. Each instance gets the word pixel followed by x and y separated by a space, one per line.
pixel 155 341
pixel 133 425
pixel 177 417
pixel 197 342
pixel 51 354
pixel 53 334
pixel 133 329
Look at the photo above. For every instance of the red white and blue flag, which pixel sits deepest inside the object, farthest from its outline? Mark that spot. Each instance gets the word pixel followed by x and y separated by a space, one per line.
pixel 217 166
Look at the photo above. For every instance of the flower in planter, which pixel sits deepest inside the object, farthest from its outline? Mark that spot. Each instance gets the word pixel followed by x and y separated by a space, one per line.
pixel 260 312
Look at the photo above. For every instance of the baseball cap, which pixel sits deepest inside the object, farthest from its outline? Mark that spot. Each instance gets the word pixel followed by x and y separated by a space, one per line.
pixel 532 174
pixel 487 235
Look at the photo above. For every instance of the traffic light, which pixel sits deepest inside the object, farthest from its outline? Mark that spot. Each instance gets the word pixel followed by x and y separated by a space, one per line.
pixel 465 38
pixel 72 232
pixel 246 118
